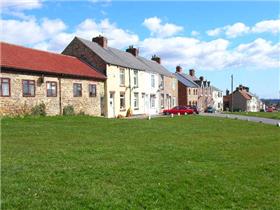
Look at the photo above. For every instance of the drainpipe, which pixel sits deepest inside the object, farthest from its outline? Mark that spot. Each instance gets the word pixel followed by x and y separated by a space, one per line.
pixel 129 88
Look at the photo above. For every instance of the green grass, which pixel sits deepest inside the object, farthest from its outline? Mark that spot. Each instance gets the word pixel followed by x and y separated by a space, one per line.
pixel 187 162
pixel 271 115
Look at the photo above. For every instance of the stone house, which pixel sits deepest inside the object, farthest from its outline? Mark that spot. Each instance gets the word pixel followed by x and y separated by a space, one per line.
pixel 241 100
pixel 187 89
pixel 30 77
pixel 132 81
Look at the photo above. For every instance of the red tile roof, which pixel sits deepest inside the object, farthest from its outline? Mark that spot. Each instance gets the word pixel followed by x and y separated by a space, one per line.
pixel 22 58
pixel 245 94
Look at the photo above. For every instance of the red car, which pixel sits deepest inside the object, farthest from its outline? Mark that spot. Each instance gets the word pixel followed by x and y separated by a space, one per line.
pixel 269 109
pixel 178 110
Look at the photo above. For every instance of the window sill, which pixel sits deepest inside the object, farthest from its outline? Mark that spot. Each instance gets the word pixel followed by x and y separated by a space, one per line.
pixel 136 108
pixel 122 110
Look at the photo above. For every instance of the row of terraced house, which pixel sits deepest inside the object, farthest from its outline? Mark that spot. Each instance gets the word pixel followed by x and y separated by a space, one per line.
pixel 96 79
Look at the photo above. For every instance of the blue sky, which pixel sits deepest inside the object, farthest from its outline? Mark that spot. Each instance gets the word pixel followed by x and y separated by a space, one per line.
pixel 216 38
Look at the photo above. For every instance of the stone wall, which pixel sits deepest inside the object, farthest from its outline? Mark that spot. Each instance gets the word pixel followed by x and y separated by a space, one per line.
pixel 17 104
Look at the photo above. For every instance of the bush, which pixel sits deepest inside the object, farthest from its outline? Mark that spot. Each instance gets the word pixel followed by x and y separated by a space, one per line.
pixel 39 110
pixel 68 110
pixel 129 112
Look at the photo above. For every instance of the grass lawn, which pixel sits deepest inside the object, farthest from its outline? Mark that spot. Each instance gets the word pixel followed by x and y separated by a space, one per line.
pixel 272 115
pixel 187 162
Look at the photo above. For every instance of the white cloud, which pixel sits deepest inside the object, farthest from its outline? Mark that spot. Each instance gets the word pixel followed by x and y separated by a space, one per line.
pixel 239 29
pixel 117 37
pixel 236 29
pixel 272 26
pixel 30 32
pixel 50 34
pixel 212 55
pixel 154 24
pixel 20 4
pixel 230 31
pixel 190 52
pixel 195 33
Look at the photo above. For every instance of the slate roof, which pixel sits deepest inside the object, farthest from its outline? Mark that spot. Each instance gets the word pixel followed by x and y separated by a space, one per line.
pixel 121 58
pixel 186 81
pixel 27 59
pixel 216 89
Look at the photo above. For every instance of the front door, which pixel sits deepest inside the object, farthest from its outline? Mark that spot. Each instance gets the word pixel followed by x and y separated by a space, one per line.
pixel 111 111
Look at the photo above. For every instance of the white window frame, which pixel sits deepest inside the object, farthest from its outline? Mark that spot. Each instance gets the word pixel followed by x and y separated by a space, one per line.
pixel 136 101
pixel 122 97
pixel 153 82
pixel 135 78
pixel 122 77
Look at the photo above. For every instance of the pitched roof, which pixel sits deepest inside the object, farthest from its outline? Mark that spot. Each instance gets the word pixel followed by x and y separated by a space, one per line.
pixel 214 88
pixel 23 58
pixel 186 81
pixel 245 94
pixel 121 58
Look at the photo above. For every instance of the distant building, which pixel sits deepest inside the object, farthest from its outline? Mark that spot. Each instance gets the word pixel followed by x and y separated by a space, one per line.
pixel 241 100
pixel 217 97
pixel 192 90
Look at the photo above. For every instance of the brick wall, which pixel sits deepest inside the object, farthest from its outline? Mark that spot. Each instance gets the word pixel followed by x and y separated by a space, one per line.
pixel 17 103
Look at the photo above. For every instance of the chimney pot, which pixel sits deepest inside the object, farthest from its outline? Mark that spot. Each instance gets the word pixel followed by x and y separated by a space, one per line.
pixel 101 40
pixel 201 78
pixel 156 59
pixel 179 69
pixel 134 51
pixel 192 72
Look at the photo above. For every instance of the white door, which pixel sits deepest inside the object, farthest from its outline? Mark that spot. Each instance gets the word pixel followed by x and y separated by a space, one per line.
pixel 147 105
pixel 111 111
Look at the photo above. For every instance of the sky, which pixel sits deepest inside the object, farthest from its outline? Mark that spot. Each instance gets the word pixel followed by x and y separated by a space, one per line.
pixel 216 38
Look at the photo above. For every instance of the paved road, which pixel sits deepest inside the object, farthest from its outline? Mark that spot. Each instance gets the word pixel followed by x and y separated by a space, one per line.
pixel 242 117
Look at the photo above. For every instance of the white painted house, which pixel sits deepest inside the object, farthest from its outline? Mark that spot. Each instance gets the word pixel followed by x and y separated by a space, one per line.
pixel 217 97
pixel 132 81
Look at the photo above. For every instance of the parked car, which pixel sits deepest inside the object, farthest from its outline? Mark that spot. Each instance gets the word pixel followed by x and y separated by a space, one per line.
pixel 210 109
pixel 269 109
pixel 194 108
pixel 178 110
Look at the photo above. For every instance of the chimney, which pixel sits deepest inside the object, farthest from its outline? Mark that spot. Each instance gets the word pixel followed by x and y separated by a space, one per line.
pixel 179 69
pixel 227 92
pixel 208 83
pixel 201 78
pixel 101 40
pixel 132 50
pixel 192 72
pixel 247 89
pixel 156 59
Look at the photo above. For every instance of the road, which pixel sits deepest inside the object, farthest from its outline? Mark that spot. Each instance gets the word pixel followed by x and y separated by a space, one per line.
pixel 242 117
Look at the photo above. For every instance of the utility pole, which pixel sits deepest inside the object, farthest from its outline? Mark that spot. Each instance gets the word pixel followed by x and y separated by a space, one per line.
pixel 232 93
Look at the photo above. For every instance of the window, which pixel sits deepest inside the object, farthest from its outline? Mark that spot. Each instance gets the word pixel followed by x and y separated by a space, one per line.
pixel 122 101
pixel 193 91
pixel 174 101
pixel 136 100
pixel 92 90
pixel 190 103
pixel 153 101
pixel 5 87
pixel 174 84
pixel 162 101
pixel 51 89
pixel 77 90
pixel 161 86
pixel 122 77
pixel 135 78
pixel 153 81
pixel 189 91
pixel 28 88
